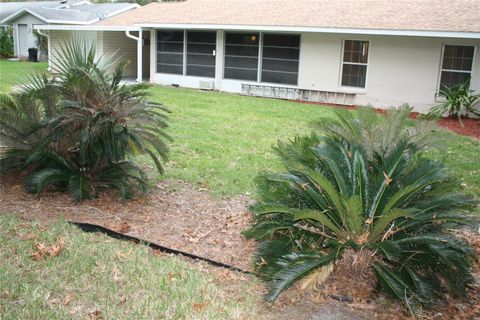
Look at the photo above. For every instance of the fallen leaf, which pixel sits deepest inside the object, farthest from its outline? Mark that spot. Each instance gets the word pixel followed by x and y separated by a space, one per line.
pixel 123 227
pixel 116 275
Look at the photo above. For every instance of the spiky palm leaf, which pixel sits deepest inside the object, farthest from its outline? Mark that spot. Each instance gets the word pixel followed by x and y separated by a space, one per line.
pixel 86 116
pixel 336 195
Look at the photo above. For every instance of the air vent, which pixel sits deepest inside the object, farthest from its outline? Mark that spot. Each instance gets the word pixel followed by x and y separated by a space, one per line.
pixel 207 84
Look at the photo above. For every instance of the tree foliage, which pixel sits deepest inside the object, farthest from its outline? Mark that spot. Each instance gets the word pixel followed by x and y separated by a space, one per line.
pixel 80 130
pixel 363 184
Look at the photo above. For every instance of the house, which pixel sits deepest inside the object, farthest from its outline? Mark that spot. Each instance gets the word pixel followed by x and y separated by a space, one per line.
pixel 381 52
pixel 23 16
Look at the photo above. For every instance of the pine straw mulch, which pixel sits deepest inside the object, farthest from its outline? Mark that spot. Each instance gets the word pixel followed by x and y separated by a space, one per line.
pixel 177 215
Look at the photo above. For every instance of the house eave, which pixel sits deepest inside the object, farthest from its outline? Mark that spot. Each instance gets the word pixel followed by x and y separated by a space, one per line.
pixel 385 32
pixel 85 28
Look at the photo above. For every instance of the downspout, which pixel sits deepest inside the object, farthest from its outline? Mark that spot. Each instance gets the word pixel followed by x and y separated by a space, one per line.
pixel 139 52
pixel 49 47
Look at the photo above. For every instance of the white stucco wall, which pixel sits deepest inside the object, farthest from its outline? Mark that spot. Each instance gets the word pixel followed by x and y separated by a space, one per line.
pixel 400 69
pixel 24 38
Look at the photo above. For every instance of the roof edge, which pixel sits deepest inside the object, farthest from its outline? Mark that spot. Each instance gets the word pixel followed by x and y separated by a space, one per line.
pixel 67 27
pixel 391 32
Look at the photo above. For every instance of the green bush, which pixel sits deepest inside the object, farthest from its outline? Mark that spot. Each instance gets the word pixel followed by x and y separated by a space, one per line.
pixel 361 187
pixel 459 102
pixel 6 42
pixel 80 130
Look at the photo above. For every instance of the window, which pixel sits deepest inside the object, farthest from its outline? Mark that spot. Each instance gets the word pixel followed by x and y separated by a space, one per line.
pixel 457 65
pixel 354 66
pixel 201 53
pixel 170 52
pixel 241 56
pixel 280 55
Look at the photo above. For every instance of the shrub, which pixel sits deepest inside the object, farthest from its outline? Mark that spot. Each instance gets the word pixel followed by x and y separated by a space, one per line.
pixel 6 42
pixel 459 101
pixel 345 196
pixel 79 131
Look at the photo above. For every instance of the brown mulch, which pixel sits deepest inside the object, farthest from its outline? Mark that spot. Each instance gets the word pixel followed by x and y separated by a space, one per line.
pixel 174 215
pixel 470 128
pixel 177 215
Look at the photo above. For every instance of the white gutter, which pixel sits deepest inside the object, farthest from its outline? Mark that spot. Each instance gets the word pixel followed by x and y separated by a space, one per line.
pixel 409 33
pixel 139 40
pixel 85 28
pixel 49 47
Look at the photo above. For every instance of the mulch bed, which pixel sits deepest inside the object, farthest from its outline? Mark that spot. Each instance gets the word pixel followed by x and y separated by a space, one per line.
pixel 177 215
pixel 470 127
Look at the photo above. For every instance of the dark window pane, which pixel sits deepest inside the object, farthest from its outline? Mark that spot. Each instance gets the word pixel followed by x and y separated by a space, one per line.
pixel 242 38
pixel 170 52
pixel 452 79
pixel 248 63
pixel 203 37
pixel 163 68
pixel 281 40
pixel 241 56
pixel 200 48
pixel 169 47
pixel 241 74
pixel 280 65
pixel 239 50
pixel 279 77
pixel 354 75
pixel 355 51
pixel 163 36
pixel 167 58
pixel 201 71
pixel 458 57
pixel 280 58
pixel 201 60
pixel 281 53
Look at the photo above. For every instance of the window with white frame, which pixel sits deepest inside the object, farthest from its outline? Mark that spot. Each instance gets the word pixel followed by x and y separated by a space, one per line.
pixel 241 56
pixel 354 64
pixel 280 58
pixel 170 52
pixel 186 53
pixel 457 64
pixel 201 47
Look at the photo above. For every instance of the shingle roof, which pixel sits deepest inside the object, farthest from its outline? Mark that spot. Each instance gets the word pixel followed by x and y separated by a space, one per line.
pixel 8 8
pixel 421 15
pixel 80 13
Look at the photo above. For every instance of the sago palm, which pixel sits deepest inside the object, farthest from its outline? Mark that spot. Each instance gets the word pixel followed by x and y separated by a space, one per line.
pixel 393 208
pixel 89 126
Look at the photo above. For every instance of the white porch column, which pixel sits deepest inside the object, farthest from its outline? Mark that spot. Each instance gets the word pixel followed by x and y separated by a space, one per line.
pixel 140 56
pixel 219 60
pixel 153 54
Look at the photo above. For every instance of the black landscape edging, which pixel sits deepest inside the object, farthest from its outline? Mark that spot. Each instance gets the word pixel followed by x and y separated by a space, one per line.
pixel 88 227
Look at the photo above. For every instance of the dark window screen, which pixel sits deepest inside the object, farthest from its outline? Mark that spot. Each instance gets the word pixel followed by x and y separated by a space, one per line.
pixel 170 52
pixel 355 59
pixel 200 53
pixel 456 65
pixel 280 57
pixel 241 56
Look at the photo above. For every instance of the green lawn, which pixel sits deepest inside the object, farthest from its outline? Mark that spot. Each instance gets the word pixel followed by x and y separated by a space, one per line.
pixel 223 140
pixel 96 277
pixel 13 72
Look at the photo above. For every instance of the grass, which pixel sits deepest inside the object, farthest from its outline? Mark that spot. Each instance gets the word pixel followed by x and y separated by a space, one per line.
pixel 96 277
pixel 223 140
pixel 13 72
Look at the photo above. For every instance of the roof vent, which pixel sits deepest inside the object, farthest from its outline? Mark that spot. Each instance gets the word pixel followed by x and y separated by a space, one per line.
pixel 101 15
